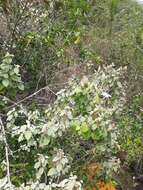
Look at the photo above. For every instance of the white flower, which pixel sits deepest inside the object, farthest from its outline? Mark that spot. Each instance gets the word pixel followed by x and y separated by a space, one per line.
pixel 106 95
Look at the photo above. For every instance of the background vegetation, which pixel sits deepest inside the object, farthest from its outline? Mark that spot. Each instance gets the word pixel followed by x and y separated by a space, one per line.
pixel 71 94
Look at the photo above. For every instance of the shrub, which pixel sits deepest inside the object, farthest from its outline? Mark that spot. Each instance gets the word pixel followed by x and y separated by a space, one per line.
pixel 85 111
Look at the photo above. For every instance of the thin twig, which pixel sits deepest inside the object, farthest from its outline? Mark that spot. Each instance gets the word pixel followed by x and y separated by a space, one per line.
pixel 6 151
pixel 17 104
pixel 30 96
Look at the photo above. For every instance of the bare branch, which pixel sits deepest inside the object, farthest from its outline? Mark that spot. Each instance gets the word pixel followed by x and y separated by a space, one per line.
pixel 6 151
pixel 15 104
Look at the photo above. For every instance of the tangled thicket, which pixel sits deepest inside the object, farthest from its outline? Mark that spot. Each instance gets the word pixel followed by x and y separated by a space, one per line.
pixel 70 94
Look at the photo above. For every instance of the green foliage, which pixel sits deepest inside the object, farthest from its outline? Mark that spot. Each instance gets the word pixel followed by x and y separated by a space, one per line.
pixel 84 108
pixel 48 43
pixel 10 75
pixel 130 124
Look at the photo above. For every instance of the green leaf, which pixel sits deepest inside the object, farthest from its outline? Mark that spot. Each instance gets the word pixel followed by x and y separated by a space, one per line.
pixel 37 165
pixel 40 172
pixel 84 128
pixel 5 82
pixel 75 125
pixel 45 140
pixel 8 58
pixel 21 86
pixel 97 99
pixel 5 76
pixel 21 138
pixel 94 127
pixel 77 128
pixel 10 117
pixel 16 70
pixel 52 172
pixel 28 135
pixel 23 128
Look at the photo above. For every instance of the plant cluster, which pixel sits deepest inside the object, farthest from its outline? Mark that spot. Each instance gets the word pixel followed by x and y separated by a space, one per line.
pixel 70 92
pixel 84 109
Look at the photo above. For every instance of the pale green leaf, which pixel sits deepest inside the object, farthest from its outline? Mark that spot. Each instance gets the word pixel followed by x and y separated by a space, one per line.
pixel 16 70
pixel 5 82
pixel 28 135
pixel 52 172
pixel 21 86
pixel 45 140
